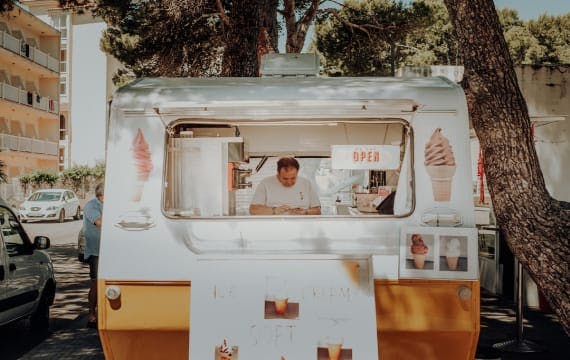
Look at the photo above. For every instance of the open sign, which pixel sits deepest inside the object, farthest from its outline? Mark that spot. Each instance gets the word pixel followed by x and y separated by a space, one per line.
pixel 377 157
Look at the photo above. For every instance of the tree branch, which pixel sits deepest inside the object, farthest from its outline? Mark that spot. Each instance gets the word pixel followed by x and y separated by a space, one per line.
pixel 222 12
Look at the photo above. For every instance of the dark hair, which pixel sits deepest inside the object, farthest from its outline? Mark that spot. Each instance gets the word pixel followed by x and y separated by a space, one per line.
pixel 287 162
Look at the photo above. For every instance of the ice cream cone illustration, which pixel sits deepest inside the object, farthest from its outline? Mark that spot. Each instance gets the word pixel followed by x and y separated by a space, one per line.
pixel 281 305
pixel 440 165
pixel 224 352
pixel 333 345
pixel 334 351
pixel 143 164
pixel 452 253
pixel 419 250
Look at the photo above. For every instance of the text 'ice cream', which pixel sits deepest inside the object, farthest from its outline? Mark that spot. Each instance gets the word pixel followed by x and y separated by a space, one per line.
pixel 452 253
pixel 440 165
pixel 419 250
pixel 143 163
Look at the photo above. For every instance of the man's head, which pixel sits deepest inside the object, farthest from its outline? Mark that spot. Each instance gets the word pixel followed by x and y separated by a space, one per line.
pixel 287 169
pixel 100 191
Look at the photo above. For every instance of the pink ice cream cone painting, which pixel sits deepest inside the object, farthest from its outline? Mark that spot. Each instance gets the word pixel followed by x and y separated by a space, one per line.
pixel 440 165
pixel 419 250
pixel 143 164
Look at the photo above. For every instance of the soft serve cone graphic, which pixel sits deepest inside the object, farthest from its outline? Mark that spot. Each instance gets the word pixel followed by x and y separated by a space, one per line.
pixel 440 165
pixel 143 164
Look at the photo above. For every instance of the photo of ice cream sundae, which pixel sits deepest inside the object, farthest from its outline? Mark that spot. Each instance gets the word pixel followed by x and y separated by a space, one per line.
pixel 440 165
pixel 225 351
pixel 419 250
pixel 143 164
pixel 452 253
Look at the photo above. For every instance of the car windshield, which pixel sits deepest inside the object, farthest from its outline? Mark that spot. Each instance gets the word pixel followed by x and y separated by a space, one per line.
pixel 45 196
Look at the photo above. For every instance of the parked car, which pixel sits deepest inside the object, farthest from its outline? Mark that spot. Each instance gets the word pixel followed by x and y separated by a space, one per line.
pixel 27 281
pixel 81 246
pixel 50 204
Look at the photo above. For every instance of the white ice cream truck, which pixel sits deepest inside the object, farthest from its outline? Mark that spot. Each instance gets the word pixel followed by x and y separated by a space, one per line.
pixel 388 270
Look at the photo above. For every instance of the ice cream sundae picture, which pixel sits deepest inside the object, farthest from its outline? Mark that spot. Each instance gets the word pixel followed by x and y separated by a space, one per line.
pixel 225 351
pixel 143 164
pixel 419 251
pixel 440 165
pixel 452 253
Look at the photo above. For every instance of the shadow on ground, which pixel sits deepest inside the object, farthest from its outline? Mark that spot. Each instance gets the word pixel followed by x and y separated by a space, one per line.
pixel 67 317
pixel 498 324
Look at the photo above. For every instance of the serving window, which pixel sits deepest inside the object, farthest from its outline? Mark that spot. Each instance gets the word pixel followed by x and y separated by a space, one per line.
pixel 357 168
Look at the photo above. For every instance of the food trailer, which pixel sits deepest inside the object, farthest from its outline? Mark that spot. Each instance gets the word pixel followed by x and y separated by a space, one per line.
pixel 388 270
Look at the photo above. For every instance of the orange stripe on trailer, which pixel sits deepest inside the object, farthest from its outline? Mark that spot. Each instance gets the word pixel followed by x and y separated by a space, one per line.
pixel 427 319
pixel 416 319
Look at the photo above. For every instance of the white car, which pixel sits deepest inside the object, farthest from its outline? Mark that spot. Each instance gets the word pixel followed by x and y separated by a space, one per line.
pixel 50 204
pixel 27 281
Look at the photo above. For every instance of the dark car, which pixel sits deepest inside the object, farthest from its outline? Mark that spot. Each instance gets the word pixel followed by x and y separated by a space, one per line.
pixel 27 281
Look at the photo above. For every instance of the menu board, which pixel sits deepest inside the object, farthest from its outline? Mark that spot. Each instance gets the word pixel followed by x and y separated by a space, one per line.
pixel 283 309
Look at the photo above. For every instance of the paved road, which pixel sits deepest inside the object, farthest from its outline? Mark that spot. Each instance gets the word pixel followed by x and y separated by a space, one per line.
pixel 70 308
pixel 65 233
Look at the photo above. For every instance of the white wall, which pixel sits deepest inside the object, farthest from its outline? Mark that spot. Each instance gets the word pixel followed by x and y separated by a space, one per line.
pixel 88 91
pixel 546 92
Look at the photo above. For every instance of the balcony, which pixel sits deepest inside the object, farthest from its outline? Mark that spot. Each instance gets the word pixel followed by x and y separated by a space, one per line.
pixel 27 98
pixel 29 52
pixel 24 144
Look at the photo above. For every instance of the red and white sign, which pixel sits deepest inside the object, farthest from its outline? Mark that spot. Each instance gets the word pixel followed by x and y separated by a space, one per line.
pixel 366 157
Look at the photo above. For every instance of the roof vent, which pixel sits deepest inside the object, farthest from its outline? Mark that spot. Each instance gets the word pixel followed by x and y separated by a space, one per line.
pixel 289 65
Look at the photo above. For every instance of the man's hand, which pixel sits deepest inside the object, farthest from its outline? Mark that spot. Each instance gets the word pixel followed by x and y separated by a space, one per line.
pixel 282 210
pixel 298 211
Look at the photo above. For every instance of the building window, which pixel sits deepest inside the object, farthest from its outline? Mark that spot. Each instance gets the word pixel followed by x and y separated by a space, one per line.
pixel 63 61
pixel 63 85
pixel 60 22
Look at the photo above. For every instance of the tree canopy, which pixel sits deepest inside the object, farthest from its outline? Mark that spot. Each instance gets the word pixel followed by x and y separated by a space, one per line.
pixel 366 37
pixel 431 41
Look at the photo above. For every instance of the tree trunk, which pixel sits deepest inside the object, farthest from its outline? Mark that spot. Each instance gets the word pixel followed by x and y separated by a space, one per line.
pixel 297 30
pixel 535 225
pixel 240 54
pixel 269 31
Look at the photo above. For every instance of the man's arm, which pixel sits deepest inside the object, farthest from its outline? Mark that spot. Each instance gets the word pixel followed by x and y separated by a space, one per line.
pixel 256 209
pixel 93 215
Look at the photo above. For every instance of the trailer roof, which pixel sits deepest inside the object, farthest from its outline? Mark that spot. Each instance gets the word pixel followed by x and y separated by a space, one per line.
pixel 149 93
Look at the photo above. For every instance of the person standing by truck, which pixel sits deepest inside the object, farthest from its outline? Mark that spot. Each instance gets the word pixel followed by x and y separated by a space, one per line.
pixel 286 193
pixel 92 217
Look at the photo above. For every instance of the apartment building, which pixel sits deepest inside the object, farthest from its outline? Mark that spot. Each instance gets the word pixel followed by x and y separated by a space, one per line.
pixel 29 95
pixel 85 82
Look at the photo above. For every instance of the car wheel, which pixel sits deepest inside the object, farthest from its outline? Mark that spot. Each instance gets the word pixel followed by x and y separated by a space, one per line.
pixel 77 215
pixel 61 216
pixel 39 321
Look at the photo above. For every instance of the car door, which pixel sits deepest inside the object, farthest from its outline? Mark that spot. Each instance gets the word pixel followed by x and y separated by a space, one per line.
pixel 72 200
pixel 22 272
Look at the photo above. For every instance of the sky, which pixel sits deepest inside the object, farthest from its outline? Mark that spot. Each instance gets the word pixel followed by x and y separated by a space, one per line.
pixel 531 9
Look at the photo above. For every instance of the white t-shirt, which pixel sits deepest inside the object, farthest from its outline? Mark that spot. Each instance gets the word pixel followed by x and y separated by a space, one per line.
pixel 270 192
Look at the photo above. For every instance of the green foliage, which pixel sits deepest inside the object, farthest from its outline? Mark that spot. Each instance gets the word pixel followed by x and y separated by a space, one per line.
pixel 344 50
pixel 366 37
pixel 98 171
pixel 41 177
pixel 6 5
pixel 552 33
pixel 75 177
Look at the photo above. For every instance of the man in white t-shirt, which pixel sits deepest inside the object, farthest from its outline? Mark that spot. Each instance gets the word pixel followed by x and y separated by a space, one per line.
pixel 286 193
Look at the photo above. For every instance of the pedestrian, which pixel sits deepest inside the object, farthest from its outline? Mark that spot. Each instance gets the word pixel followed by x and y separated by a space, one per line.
pixel 92 218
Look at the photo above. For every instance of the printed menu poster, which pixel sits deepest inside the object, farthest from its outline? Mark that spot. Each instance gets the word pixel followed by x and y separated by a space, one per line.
pixel 283 310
